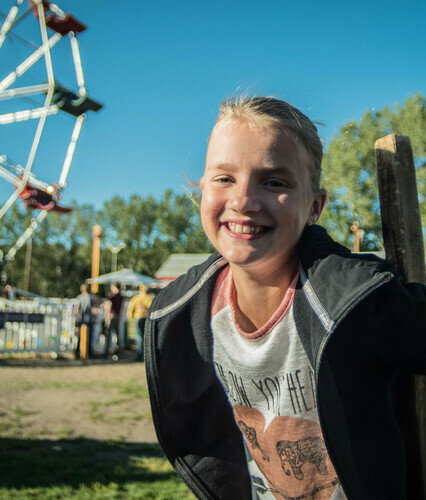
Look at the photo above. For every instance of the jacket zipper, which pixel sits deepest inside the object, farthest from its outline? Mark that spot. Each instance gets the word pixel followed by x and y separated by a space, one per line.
pixel 178 463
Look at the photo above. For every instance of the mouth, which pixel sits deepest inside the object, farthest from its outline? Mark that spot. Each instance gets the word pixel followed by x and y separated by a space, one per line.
pixel 246 230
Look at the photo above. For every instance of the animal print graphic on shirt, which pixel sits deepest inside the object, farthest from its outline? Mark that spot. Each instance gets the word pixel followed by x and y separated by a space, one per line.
pixel 290 453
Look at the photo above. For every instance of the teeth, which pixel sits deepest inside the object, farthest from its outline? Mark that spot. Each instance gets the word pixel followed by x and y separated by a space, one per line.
pixel 244 229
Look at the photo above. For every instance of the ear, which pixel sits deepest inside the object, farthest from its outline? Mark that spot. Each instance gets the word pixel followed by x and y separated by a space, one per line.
pixel 317 207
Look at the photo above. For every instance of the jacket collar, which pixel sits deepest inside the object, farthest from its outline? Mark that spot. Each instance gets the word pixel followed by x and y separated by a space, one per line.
pixel 333 279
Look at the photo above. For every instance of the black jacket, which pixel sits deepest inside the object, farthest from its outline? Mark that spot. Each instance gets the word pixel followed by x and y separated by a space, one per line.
pixel 358 324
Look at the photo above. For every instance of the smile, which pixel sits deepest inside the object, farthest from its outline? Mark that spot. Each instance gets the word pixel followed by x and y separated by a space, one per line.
pixel 246 231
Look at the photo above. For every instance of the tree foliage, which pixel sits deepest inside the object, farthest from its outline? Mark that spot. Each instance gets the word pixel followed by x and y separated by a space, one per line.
pixel 350 169
pixel 62 246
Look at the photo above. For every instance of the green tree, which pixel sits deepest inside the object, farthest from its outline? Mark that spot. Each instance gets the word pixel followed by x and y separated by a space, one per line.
pixel 61 249
pixel 151 230
pixel 179 223
pixel 62 246
pixel 350 169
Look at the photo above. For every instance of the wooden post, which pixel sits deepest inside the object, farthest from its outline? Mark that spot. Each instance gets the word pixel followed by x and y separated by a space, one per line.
pixel 355 230
pixel 27 270
pixel 403 241
pixel 96 252
pixel 84 342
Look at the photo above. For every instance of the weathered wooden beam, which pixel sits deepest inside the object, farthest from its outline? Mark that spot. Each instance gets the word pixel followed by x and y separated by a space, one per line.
pixel 84 342
pixel 403 242
pixel 399 205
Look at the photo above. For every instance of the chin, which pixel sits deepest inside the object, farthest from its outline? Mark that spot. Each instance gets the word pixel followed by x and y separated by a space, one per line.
pixel 239 258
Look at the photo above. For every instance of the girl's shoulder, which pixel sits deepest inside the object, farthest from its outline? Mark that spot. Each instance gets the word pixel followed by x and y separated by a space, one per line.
pixel 199 280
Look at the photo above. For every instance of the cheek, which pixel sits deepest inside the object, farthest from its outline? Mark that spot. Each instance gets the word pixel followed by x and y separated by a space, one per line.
pixel 210 204
pixel 206 210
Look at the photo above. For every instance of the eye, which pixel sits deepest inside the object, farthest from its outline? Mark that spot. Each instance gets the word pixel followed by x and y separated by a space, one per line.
pixel 222 180
pixel 276 183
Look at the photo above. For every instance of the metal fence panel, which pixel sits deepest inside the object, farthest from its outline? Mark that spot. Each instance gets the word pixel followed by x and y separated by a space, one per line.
pixel 34 326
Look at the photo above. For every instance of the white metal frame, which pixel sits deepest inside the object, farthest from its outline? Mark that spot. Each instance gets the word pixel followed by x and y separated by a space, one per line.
pixel 17 175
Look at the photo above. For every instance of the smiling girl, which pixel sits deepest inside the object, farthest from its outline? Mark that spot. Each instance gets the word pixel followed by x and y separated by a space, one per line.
pixel 270 366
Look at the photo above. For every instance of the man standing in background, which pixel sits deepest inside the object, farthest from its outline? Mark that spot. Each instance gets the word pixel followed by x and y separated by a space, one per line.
pixel 137 312
pixel 115 301
pixel 85 317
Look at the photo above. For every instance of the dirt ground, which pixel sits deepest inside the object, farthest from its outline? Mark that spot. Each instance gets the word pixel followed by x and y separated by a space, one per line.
pixel 65 398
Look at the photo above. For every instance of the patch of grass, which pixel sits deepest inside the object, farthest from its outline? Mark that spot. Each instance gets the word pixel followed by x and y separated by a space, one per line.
pixel 114 402
pixel 131 388
pixel 64 434
pixel 138 417
pixel 17 385
pixel 83 469
pixel 19 412
pixel 96 413
pixel 66 384
pixel 13 422
pixel 43 432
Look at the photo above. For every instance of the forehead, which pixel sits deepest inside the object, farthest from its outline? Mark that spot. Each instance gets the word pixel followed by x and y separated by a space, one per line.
pixel 233 141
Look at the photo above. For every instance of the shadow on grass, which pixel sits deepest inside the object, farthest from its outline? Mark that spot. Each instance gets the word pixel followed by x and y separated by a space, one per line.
pixel 28 463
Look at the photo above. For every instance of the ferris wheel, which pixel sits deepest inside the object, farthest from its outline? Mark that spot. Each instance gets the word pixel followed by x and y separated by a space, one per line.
pixel 30 93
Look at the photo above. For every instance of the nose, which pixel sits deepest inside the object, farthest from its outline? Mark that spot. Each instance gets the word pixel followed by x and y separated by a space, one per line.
pixel 245 197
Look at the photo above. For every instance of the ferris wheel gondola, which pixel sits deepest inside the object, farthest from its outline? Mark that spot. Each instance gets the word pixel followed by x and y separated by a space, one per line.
pixel 35 193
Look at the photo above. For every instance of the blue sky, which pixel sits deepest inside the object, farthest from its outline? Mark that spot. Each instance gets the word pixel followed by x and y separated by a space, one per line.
pixel 161 68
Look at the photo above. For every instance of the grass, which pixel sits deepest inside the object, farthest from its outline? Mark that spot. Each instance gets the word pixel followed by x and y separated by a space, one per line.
pixel 132 387
pixel 47 464
pixel 86 469
pixel 15 422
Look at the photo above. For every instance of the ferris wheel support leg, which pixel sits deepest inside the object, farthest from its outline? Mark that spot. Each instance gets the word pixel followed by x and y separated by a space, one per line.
pixel 70 152
pixel 25 235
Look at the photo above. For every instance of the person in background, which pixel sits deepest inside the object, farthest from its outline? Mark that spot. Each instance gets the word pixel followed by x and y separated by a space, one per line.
pixel 137 312
pixel 115 302
pixel 85 317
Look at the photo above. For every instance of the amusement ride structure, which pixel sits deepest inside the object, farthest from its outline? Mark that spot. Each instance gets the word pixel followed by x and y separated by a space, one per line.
pixel 55 26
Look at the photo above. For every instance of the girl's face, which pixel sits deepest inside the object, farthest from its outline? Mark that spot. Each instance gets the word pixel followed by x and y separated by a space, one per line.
pixel 257 196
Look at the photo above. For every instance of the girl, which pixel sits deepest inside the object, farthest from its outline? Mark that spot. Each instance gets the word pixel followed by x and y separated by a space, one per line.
pixel 271 365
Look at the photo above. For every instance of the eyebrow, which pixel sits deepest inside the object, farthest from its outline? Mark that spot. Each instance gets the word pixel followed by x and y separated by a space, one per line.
pixel 268 167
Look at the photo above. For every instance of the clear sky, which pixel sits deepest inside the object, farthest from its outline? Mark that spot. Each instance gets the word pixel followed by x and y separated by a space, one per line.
pixel 161 68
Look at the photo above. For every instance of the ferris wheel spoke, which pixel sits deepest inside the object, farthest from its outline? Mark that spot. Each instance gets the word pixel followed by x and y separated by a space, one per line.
pixel 24 91
pixel 9 21
pixel 25 235
pixel 77 64
pixel 34 193
pixel 28 114
pixel 29 61
pixel 70 152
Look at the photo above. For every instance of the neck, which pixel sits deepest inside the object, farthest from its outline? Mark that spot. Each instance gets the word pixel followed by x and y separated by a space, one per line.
pixel 258 295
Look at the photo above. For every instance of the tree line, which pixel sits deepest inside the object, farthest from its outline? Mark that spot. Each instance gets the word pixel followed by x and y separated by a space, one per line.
pixel 152 229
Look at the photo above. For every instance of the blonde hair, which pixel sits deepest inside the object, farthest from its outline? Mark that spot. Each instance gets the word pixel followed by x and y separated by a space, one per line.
pixel 271 112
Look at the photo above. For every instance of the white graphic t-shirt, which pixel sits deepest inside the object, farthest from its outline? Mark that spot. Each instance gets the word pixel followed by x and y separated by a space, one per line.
pixel 270 384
